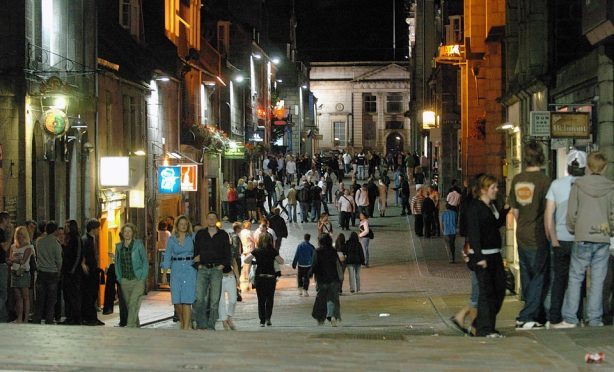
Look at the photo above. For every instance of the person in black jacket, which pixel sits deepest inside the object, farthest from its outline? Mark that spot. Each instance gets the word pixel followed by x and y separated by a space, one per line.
pixel 484 221
pixel 428 215
pixel 277 223
pixel 316 201
pixel 72 273
pixel 355 258
pixel 303 195
pixel 325 268
pixel 373 192
pixel 405 194
pixel 269 186
pixel 90 281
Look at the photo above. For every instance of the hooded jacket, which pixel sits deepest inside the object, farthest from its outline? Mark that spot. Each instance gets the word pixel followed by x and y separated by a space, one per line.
pixel 590 211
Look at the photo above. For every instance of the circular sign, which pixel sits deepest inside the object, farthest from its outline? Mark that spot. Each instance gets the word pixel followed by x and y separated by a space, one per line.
pixel 55 122
pixel 339 107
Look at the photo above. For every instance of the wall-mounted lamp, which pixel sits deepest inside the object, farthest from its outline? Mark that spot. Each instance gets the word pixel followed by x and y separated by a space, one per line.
pixel 428 119
pixel 163 78
pixel 304 86
pixel 139 153
pixel 276 60
pixel 257 55
pixel 239 78
pixel 507 127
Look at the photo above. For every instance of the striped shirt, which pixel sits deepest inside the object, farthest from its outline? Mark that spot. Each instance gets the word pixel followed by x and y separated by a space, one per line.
pixel 416 204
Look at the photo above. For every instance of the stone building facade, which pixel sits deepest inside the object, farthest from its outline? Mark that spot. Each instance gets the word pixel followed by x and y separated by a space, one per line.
pixel 361 105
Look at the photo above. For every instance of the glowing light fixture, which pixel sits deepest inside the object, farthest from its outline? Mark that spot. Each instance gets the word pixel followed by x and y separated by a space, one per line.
pixel 428 119
pixel 275 60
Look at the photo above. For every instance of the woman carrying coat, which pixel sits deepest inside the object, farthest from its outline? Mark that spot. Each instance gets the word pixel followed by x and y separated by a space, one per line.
pixel 326 268
pixel 484 221
pixel 178 258
pixel 131 270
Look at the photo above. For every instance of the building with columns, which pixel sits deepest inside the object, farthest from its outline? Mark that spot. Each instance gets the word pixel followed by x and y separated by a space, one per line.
pixel 361 105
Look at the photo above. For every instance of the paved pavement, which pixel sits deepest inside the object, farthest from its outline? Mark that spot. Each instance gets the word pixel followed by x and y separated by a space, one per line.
pixel 398 322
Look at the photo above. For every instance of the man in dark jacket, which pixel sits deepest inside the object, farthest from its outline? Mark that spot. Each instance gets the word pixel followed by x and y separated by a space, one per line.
pixel 277 223
pixel 269 186
pixel 324 268
pixel 90 281
pixel 372 192
pixel 428 215
pixel 303 196
pixel 316 201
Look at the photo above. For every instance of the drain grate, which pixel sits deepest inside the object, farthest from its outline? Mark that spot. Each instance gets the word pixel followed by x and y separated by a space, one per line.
pixel 372 336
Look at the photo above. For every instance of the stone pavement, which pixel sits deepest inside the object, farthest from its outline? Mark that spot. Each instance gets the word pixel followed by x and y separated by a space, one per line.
pixel 398 322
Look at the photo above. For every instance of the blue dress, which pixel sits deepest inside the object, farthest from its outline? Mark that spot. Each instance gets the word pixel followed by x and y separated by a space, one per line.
pixel 183 275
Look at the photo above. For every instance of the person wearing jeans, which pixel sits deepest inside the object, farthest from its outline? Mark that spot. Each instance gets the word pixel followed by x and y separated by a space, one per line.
pixel 303 259
pixel 364 235
pixel 49 263
pixel 228 303
pixel 590 215
pixel 354 259
pixel 558 235
pixel 131 269
pixel 212 254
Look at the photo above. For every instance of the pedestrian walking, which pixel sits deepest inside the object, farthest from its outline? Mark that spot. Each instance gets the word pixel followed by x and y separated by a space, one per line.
pixel 131 270
pixel 382 190
pixel 303 259
pixel 291 196
pixel 561 240
pixel 326 269
pixel 212 254
pixel 404 194
pixel 266 279
pixel 291 171
pixel 362 199
pixel 90 280
pixel 316 201
pixel 484 221
pixel 428 214
pixel 448 222
pixel 49 266
pixel 347 207
pixel 280 195
pixel 278 225
pixel 342 253
pixel 178 258
pixel 354 260
pixel 324 225
pixel 590 217
pixel 436 198
pixel 372 192
pixel 241 206
pixel 365 234
pixel 229 294
pixel 416 210
pixel 19 261
pixel 304 198
pixel 528 201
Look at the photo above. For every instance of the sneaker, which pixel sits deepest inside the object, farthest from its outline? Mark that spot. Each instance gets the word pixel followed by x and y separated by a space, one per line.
pixel 528 326
pixel 562 325
pixel 300 292
pixel 333 321
pixel 305 293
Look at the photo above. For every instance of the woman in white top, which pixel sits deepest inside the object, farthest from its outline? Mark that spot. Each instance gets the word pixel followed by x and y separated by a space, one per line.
pixel 19 262
pixel 364 235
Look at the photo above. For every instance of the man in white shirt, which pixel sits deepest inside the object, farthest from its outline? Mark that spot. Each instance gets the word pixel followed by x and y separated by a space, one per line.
pixel 347 162
pixel 362 200
pixel 290 171
pixel 265 165
pixel 346 207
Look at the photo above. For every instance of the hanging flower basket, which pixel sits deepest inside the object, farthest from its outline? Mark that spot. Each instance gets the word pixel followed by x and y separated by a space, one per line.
pixel 210 139
pixel 256 150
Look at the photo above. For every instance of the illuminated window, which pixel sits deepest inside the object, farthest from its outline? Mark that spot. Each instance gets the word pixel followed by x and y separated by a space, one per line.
pixel 394 103
pixel 339 132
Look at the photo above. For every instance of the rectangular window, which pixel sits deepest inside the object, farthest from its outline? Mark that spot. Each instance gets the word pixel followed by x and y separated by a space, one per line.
pixel 129 16
pixel 339 132
pixel 394 103
pixel 370 103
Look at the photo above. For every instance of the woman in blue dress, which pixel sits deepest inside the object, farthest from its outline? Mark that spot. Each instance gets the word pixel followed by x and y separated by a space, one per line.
pixel 178 258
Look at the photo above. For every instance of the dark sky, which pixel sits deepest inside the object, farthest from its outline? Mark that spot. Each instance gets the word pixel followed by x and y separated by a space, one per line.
pixel 350 30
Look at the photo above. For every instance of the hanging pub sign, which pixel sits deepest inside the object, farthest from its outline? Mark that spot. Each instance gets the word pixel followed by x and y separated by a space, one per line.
pixel 570 125
pixel 189 177
pixel 236 152
pixel 55 122
pixel 256 135
pixel 539 126
pixel 169 180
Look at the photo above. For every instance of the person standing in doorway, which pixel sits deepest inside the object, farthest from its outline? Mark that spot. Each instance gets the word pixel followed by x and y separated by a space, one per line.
pixel 528 201
pixel 212 253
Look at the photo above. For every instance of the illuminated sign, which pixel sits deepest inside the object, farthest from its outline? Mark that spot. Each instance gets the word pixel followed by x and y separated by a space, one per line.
pixel 55 122
pixel 451 53
pixel 169 180
pixel 114 171
pixel 539 124
pixel 428 119
pixel 236 152
pixel 189 177
pixel 570 125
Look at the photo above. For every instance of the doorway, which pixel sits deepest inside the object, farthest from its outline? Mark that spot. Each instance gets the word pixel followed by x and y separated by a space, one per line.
pixel 394 143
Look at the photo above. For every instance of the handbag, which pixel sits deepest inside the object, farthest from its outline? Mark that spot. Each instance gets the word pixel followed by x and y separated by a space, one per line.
pixel 252 275
pixel 339 270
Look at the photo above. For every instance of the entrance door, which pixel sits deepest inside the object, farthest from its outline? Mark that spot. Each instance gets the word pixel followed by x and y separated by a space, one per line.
pixel 394 143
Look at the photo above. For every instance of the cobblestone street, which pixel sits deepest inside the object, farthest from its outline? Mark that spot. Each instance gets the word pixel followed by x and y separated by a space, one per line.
pixel 398 322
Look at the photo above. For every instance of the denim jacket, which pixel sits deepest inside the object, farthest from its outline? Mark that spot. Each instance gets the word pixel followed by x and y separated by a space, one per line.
pixel 140 263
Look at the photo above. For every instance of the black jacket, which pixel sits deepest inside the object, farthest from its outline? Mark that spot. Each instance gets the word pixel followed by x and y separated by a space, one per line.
pixel 354 253
pixel 483 228
pixel 88 249
pixel 304 195
pixel 213 250
pixel 316 193
pixel 428 206
pixel 268 182
pixel 278 225
pixel 325 265
pixel 372 190
pixel 72 256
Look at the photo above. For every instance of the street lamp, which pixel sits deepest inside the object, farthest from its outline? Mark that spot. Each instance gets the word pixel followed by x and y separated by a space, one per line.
pixel 239 78
pixel 428 119
pixel 276 60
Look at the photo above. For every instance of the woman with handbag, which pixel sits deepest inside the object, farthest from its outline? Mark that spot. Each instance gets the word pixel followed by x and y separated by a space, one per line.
pixel 265 276
pixel 328 273
pixel 324 225
pixel 19 262
pixel 131 270
pixel 484 221
pixel 178 258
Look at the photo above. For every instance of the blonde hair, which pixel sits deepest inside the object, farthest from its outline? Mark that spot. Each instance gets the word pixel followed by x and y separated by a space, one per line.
pixel 247 224
pixel 483 183
pixel 596 162
pixel 24 231
pixel 265 241
pixel 176 229
pixel 131 226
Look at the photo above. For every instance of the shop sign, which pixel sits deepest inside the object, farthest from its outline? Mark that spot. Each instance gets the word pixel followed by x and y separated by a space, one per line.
pixel 570 125
pixel 238 152
pixel 189 177
pixel 540 124
pixel 55 122
pixel 169 180
pixel 257 136
pixel 279 122
pixel 451 53
pixel 115 171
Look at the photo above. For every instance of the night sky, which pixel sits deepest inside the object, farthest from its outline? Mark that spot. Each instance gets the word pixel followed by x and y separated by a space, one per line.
pixel 350 30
